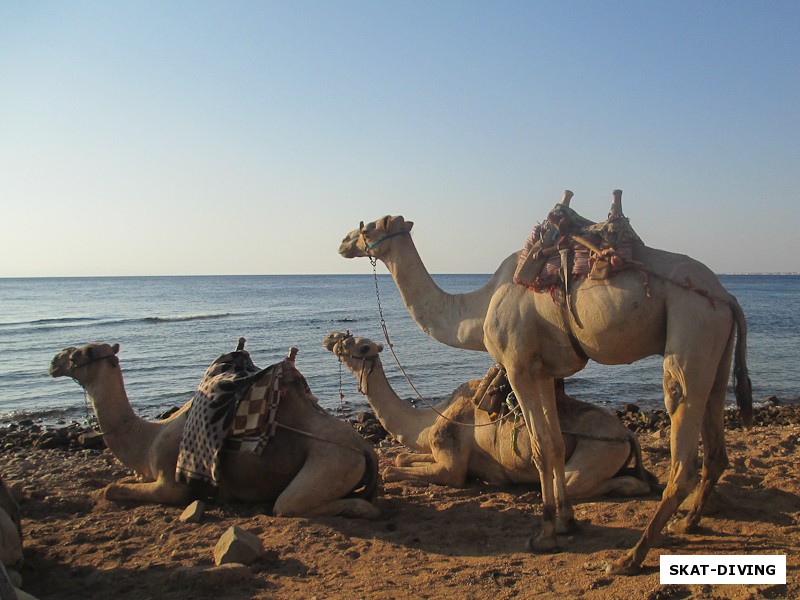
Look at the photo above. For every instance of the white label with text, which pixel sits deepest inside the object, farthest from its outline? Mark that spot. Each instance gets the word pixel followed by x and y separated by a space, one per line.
pixel 721 568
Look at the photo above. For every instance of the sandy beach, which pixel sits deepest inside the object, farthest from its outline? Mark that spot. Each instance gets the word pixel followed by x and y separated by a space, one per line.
pixel 431 542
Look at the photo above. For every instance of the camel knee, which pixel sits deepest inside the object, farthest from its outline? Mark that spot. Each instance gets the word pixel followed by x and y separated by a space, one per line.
pixel 674 386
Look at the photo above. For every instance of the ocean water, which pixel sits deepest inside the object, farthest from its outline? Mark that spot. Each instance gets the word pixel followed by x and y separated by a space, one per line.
pixel 171 328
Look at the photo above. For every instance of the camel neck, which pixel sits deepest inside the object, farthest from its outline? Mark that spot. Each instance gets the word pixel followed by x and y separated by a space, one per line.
pixel 453 319
pixel 406 424
pixel 127 435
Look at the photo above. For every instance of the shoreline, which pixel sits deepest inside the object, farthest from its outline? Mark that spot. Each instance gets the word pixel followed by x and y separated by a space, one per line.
pixel 26 432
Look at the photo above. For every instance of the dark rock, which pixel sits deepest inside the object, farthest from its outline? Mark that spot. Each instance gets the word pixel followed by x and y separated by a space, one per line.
pixel 91 440
pixel 365 417
pixel 168 413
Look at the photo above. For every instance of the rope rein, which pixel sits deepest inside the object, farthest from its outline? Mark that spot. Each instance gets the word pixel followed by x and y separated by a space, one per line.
pixel 385 329
pixel 317 437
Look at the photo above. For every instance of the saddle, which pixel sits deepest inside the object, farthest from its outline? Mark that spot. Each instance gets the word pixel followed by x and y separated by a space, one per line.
pixel 566 245
pixel 233 409
pixel 495 396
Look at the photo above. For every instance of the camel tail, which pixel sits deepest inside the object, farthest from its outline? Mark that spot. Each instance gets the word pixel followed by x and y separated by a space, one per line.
pixel 742 387
pixel 638 470
pixel 367 488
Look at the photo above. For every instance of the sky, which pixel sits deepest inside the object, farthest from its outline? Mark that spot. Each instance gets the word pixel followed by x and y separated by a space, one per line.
pixel 183 138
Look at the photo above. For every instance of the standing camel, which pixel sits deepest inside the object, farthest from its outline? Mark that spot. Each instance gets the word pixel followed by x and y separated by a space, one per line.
pixel 457 439
pixel 329 470
pixel 682 313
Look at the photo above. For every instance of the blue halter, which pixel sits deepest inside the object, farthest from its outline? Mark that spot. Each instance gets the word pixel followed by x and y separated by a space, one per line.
pixel 384 238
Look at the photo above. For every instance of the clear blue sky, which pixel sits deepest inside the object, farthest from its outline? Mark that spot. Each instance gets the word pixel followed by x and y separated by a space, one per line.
pixel 249 137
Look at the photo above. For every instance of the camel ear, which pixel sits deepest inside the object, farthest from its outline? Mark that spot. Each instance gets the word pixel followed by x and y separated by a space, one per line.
pixel 380 347
pixel 361 226
pixel 115 348
pixel 409 225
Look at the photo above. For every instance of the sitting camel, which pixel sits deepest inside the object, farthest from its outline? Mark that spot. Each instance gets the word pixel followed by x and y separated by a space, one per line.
pixel 457 439
pixel 315 465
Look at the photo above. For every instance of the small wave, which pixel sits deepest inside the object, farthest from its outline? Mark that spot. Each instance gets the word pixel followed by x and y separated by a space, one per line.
pixel 49 323
pixel 179 318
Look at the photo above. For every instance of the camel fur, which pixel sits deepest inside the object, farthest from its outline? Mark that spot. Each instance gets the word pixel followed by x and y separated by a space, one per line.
pixel 456 439
pixel 613 321
pixel 302 475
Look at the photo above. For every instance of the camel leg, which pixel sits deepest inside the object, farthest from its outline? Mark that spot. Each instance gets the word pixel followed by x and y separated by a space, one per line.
pixel 537 399
pixel 438 473
pixel 408 459
pixel 715 457
pixel 304 496
pixel 161 491
pixel 685 401
pixel 448 464
pixel 591 470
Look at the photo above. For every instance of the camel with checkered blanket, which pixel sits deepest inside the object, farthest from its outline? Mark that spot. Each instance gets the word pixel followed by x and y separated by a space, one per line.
pixel 457 439
pixel 317 465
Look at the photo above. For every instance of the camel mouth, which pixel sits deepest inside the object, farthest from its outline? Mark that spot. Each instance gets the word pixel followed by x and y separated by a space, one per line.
pixel 61 365
pixel 349 246
pixel 345 345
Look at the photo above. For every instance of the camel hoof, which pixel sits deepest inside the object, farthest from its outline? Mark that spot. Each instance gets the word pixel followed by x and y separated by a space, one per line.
pixel 542 545
pixel 624 566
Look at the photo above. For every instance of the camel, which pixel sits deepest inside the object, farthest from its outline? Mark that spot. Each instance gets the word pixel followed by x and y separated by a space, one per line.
pixel 457 439
pixel 11 558
pixel 681 312
pixel 314 466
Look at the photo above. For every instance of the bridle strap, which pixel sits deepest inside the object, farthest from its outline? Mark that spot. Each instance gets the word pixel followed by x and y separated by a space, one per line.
pixel 112 357
pixel 383 239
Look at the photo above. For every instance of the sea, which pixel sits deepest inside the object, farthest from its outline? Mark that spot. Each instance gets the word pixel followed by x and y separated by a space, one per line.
pixel 171 328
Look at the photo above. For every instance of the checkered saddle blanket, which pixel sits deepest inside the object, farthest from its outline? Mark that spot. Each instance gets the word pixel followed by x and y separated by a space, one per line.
pixel 234 408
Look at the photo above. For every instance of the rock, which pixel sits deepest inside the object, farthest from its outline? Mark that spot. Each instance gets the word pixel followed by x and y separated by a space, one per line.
pixel 632 408
pixel 365 416
pixel 219 576
pixel 91 439
pixel 194 512
pixel 238 546
pixel 168 413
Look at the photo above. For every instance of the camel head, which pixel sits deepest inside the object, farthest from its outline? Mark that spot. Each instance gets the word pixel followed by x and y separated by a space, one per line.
pixel 373 238
pixel 350 349
pixel 80 363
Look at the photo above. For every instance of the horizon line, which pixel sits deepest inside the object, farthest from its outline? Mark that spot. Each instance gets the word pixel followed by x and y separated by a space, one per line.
pixel 744 273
